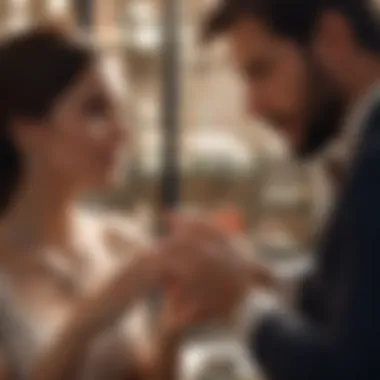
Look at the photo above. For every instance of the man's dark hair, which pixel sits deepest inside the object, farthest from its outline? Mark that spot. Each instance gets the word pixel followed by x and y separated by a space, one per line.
pixel 296 19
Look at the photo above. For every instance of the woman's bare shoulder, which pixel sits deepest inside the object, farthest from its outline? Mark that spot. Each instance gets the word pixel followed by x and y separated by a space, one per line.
pixel 28 276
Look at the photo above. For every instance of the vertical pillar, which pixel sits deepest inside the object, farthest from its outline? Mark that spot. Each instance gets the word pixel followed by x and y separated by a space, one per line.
pixel 170 185
pixel 84 11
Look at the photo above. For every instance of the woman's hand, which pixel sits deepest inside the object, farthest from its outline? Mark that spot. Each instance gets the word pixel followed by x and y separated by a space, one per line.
pixel 209 278
pixel 180 312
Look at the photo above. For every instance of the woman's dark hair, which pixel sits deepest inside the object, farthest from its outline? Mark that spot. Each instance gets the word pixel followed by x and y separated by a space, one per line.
pixel 296 19
pixel 35 68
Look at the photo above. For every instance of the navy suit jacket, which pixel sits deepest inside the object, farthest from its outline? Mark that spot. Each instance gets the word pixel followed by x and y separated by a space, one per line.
pixel 335 333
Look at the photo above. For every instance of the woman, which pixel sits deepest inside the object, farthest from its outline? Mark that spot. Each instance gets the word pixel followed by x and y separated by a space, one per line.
pixel 67 277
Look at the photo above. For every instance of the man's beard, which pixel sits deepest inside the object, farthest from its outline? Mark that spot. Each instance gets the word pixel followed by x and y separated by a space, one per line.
pixel 323 127
pixel 327 108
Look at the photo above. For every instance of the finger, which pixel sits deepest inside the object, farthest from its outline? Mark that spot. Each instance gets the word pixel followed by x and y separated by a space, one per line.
pixel 169 220
pixel 196 224
pixel 197 314
pixel 179 223
pixel 230 220
pixel 208 236
pixel 181 259
pixel 169 246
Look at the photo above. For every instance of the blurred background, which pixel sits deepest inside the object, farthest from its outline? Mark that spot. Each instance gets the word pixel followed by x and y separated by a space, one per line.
pixel 228 163
pixel 226 159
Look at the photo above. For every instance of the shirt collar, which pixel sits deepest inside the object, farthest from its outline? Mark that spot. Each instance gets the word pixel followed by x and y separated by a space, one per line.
pixel 361 111
pixel 342 148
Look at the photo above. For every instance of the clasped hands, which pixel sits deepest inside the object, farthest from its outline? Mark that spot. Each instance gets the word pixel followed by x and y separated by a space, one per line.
pixel 203 274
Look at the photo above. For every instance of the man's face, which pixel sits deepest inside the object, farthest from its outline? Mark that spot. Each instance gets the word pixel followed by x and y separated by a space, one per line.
pixel 285 87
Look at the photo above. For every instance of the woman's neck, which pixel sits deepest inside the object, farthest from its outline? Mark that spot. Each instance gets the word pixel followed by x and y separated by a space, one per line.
pixel 40 214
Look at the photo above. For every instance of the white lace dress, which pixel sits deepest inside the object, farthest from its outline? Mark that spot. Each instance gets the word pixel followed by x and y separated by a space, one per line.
pixel 36 301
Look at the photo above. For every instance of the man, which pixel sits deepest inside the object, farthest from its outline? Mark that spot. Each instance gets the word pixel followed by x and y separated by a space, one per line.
pixel 312 67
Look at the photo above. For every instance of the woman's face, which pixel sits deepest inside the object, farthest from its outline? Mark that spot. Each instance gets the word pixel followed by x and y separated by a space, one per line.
pixel 82 142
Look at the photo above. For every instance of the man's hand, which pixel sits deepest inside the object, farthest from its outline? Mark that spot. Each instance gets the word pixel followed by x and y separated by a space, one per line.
pixel 261 276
